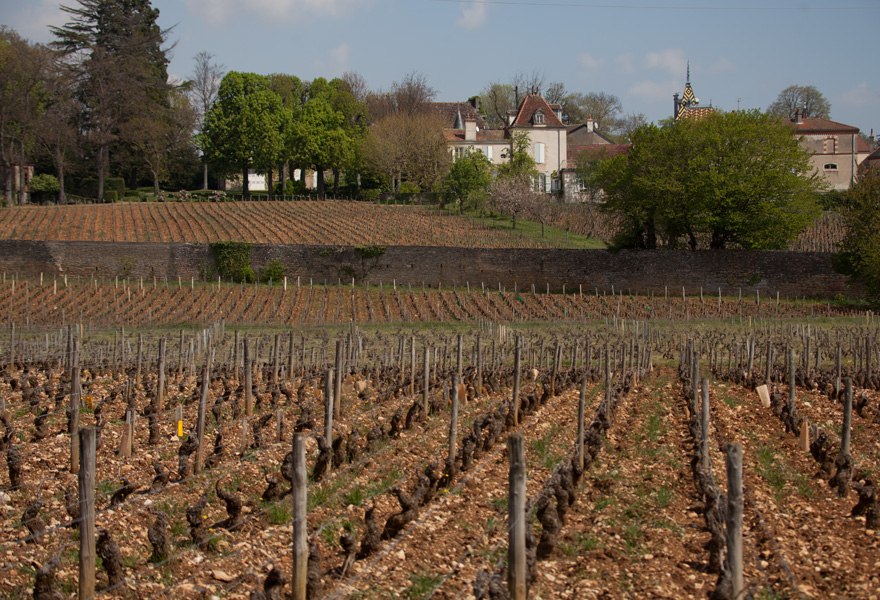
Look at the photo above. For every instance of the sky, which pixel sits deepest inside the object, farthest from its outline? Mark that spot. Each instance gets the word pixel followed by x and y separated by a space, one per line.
pixel 741 53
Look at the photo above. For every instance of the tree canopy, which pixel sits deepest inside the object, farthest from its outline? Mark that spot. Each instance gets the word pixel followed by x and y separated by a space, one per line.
pixel 733 179
pixel 798 98
pixel 860 250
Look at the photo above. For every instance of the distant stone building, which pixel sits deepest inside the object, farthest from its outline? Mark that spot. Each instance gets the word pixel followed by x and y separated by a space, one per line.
pixel 837 149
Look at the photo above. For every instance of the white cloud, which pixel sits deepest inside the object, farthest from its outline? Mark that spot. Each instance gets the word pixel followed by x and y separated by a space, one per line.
pixel 473 15
pixel 672 60
pixel 625 62
pixel 655 90
pixel 218 11
pixel 336 62
pixel 590 61
pixel 722 65
pixel 861 95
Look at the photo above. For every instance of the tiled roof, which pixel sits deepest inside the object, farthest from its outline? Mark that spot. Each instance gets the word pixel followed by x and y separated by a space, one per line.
pixel 448 111
pixel 698 113
pixel 862 145
pixel 527 109
pixel 579 136
pixel 605 150
pixel 820 125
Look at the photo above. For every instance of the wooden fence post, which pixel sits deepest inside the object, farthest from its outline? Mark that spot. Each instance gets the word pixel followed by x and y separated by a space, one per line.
pixel 734 455
pixel 516 504
pixel 160 387
pixel 86 483
pixel 300 525
pixel 75 401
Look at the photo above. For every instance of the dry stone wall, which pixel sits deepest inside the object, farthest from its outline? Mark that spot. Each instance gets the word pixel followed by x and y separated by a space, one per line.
pixel 789 273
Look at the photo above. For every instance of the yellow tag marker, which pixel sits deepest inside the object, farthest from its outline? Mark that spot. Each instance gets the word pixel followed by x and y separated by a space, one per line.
pixel 89 402
pixel 180 429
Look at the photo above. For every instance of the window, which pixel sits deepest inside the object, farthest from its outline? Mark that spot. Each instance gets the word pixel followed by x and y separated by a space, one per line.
pixel 539 153
pixel 489 152
pixel 830 166
pixel 538 119
pixel 830 145
pixel 460 152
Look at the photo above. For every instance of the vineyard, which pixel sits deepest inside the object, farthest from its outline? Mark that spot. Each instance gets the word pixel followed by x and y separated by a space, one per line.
pixel 330 222
pixel 142 303
pixel 575 445
pixel 322 223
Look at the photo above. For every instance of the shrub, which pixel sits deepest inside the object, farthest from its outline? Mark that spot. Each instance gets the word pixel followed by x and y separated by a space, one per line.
pixel 44 183
pixel 233 260
pixel 371 195
pixel 115 184
pixel 272 271
pixel 111 196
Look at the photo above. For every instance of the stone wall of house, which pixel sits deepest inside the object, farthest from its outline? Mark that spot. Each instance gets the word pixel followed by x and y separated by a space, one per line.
pixel 789 273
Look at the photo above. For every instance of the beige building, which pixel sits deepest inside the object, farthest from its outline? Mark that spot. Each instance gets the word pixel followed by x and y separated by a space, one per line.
pixel 837 149
pixel 541 121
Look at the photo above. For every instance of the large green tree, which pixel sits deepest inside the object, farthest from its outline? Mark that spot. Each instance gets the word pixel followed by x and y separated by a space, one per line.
pixel 468 180
pixel 734 179
pixel 115 50
pixel 860 250
pixel 245 127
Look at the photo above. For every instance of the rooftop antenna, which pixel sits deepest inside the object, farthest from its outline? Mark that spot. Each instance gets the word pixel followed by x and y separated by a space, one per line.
pixel 738 100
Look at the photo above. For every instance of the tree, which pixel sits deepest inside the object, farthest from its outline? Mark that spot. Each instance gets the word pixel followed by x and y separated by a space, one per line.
pixel 244 128
pixel 628 124
pixel 115 49
pixel 799 98
pixel 860 249
pixel 496 101
pixel 737 178
pixel 409 148
pixel 319 139
pixel 23 68
pixel 202 87
pixel 468 179
pixel 520 162
pixel 56 130
pixel 514 196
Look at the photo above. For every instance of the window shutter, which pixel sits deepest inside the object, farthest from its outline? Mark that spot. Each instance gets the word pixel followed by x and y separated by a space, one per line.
pixel 548 184
pixel 539 153
pixel 489 152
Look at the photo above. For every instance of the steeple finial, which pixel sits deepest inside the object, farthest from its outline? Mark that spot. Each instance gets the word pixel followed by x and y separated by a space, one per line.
pixel 689 73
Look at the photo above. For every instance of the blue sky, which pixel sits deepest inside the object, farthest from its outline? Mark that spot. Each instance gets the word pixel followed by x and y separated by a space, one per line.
pixel 741 54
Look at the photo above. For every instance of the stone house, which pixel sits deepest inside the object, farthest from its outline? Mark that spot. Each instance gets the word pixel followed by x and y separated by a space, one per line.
pixel 837 149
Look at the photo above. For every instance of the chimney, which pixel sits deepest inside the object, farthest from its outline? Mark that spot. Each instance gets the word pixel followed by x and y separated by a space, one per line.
pixel 591 125
pixel 804 114
pixel 674 106
pixel 511 117
pixel 797 116
pixel 475 102
pixel 470 130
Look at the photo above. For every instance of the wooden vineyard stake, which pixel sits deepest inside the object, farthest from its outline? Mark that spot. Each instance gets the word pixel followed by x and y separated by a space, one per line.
pixel 337 383
pixel 276 359
pixel 75 397
pixel 580 438
pixel 453 421
pixel 426 368
pixel 705 464
pixel 300 526
pixel 12 349
pixel 328 408
pixel 734 455
pixel 479 381
pixel 160 388
pixel 127 429
pixel 86 484
pixel 235 356
pixel 517 361
pixel 516 518
pixel 279 419
pixel 180 355
pixel 847 419
pixel 248 378
pixel 791 371
pixel 200 424
pixel 764 395
pixel 412 366
pixel 244 436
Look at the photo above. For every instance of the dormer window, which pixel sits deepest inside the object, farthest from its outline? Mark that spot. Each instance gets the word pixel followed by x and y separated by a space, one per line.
pixel 538 118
